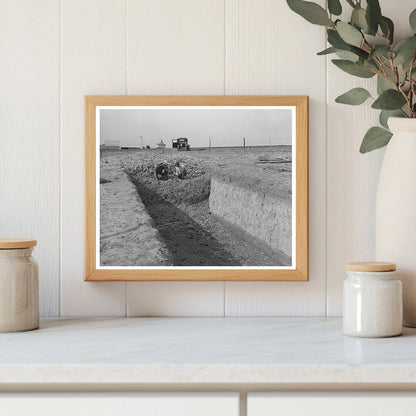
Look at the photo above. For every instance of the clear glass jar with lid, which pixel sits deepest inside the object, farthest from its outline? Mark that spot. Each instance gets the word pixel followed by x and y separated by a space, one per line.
pixel 19 286
pixel 372 300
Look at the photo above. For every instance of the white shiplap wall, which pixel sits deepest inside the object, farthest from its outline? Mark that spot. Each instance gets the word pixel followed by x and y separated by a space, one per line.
pixel 29 134
pixel 55 52
pixel 93 60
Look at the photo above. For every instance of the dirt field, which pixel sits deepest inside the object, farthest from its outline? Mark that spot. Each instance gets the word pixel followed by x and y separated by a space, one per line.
pixel 180 210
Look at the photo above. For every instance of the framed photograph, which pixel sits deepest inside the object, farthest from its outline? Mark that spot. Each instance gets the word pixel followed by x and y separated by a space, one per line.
pixel 196 188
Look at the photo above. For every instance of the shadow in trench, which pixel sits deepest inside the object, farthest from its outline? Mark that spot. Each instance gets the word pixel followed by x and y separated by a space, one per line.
pixel 189 243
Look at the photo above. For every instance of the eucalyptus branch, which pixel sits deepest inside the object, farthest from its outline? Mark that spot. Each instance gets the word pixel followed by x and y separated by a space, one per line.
pixel 385 75
pixel 395 71
pixel 362 47
pixel 381 65
pixel 366 43
pixel 405 96
pixel 381 35
pixel 366 47
pixel 411 82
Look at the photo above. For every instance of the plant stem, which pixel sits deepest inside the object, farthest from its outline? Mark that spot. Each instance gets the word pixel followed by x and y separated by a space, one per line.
pixel 395 71
pixel 408 103
pixel 385 75
pixel 411 92
pixel 398 85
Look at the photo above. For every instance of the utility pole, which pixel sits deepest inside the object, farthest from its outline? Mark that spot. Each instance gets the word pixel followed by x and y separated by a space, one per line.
pixel 141 142
pixel 209 145
pixel 244 143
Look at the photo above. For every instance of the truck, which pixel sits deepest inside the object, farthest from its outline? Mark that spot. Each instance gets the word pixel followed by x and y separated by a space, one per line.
pixel 181 144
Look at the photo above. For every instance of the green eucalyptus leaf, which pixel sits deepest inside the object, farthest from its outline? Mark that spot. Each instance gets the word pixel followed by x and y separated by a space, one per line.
pixel 348 56
pixel 381 50
pixel 358 18
pixel 406 66
pixel 371 64
pixel 362 54
pixel 375 138
pixel 383 84
pixel 387 27
pixel 327 51
pixel 352 68
pixel 349 34
pixel 373 15
pixel 386 114
pixel 412 20
pixel 334 7
pixel 405 43
pixel 311 12
pixel 335 40
pixel 356 96
pixel 389 100
pixel 405 51
pixel 392 75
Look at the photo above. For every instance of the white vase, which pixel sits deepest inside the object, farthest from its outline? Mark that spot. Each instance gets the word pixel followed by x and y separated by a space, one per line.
pixel 396 210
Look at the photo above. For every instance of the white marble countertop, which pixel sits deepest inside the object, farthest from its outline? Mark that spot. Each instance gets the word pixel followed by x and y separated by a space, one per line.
pixel 185 352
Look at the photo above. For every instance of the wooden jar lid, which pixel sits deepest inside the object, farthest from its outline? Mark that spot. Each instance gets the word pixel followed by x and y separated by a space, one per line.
pixel 11 243
pixel 371 266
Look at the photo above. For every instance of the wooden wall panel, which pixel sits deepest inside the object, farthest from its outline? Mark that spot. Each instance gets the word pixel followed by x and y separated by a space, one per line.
pixel 271 50
pixel 29 135
pixel 93 59
pixel 175 47
pixel 352 177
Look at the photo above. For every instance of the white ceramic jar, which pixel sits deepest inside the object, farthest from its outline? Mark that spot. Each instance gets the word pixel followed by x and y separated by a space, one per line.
pixel 372 300
pixel 19 286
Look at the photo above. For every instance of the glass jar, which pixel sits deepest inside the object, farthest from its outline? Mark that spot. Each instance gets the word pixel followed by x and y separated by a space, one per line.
pixel 19 286
pixel 372 300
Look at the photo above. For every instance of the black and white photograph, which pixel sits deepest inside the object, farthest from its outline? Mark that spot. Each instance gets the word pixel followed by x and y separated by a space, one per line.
pixel 195 186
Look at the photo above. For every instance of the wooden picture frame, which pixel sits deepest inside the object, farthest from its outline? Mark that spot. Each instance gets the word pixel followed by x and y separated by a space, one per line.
pixel 298 269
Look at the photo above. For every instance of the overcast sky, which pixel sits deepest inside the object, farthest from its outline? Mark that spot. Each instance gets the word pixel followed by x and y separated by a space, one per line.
pixel 226 127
